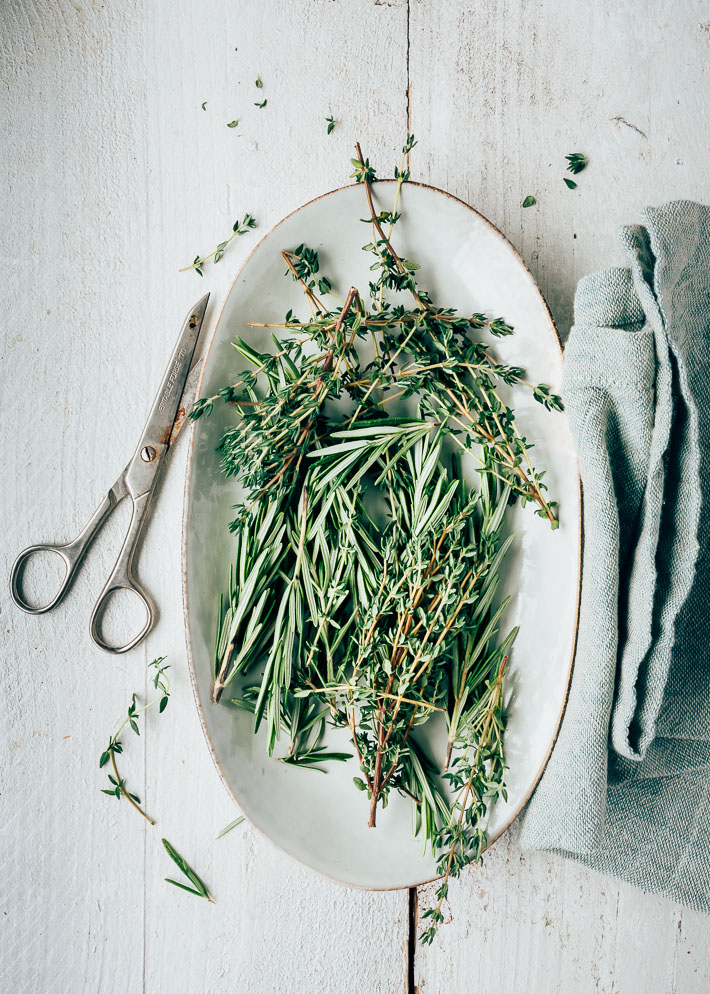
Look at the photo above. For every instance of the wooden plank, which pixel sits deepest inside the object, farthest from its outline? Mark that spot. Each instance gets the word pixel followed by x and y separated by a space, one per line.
pixel 502 91
pixel 513 88
pixel 539 923
pixel 115 178
pixel 72 158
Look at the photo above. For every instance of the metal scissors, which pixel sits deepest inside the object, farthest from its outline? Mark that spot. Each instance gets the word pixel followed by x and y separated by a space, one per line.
pixel 137 481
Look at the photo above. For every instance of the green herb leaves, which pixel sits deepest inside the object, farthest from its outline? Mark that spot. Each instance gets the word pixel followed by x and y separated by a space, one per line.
pixel 576 162
pixel 364 172
pixel 230 826
pixel 364 595
pixel 114 748
pixel 529 201
pixel 331 123
pixel 198 887
pixel 238 228
pixel 234 123
pixel 462 839
pixel 261 105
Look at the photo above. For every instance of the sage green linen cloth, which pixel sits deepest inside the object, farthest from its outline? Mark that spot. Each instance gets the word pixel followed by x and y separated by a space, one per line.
pixel 627 788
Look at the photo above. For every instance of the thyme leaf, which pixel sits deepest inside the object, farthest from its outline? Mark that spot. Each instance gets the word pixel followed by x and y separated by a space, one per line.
pixel 576 162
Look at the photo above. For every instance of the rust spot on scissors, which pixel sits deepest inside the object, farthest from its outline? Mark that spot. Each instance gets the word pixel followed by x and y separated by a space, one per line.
pixel 171 432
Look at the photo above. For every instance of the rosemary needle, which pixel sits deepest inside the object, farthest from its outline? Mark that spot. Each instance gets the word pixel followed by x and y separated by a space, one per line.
pixel 198 887
pixel 230 826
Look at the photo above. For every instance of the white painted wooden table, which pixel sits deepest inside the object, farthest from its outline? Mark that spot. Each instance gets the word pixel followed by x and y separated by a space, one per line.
pixel 114 177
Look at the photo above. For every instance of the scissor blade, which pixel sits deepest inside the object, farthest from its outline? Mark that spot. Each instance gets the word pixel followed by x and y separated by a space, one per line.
pixel 189 396
pixel 169 399
pixel 167 406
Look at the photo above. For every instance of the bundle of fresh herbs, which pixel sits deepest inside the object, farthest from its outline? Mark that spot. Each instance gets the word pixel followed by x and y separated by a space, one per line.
pixel 363 593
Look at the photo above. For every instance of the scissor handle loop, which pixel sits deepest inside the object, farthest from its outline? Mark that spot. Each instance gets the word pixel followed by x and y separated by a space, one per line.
pixel 100 607
pixel 70 565
pixel 71 554
pixel 123 578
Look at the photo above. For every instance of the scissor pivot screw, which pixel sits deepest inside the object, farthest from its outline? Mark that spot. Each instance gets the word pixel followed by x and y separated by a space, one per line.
pixel 148 453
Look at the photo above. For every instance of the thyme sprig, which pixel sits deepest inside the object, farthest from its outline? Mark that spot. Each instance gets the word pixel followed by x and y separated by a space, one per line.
pixel 118 789
pixel 238 228
pixel 479 782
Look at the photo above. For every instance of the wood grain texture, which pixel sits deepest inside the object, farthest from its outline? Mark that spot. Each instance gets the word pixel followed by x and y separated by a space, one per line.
pixel 535 923
pixel 513 88
pixel 502 90
pixel 115 177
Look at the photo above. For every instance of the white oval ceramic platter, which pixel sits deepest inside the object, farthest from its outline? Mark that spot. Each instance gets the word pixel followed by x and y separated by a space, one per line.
pixel 466 263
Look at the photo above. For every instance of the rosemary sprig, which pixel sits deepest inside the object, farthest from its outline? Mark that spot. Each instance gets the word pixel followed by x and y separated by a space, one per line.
pixel 199 888
pixel 238 228
pixel 118 788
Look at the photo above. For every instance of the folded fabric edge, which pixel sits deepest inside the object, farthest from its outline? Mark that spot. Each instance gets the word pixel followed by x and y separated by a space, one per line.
pixel 608 298
pixel 608 357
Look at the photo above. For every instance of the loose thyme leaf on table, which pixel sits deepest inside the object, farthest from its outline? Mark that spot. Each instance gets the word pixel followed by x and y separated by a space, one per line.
pixel 576 162
pixel 529 201
pixel 365 590
pixel 234 123
pixel 331 123
pixel 570 183
pixel 118 788
pixel 262 104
